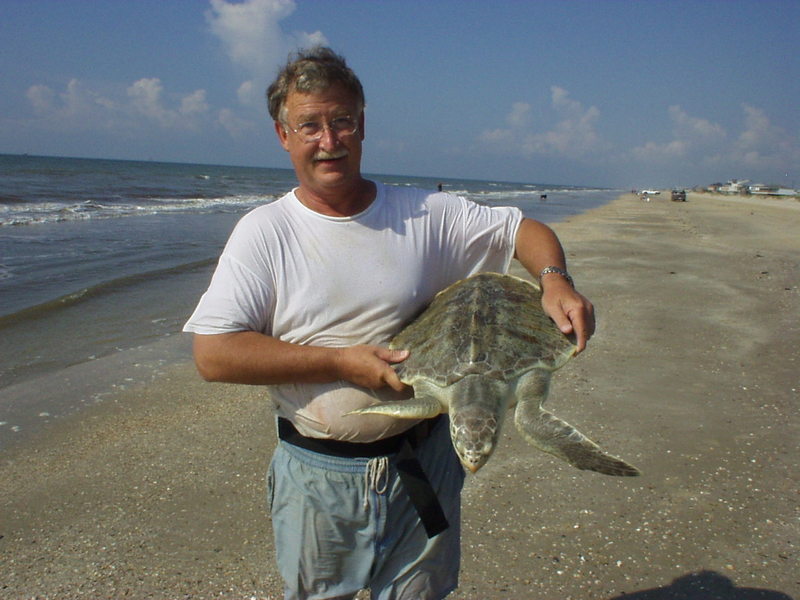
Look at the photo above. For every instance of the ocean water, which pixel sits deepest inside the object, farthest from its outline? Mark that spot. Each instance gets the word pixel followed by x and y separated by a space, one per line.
pixel 103 256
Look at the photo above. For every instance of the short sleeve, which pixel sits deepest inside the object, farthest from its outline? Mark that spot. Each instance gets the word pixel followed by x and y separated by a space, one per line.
pixel 236 300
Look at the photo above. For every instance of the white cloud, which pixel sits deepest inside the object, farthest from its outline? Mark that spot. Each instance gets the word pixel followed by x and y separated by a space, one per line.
pixel 251 34
pixel 250 31
pixel 693 138
pixel 41 97
pixel 573 135
pixel 498 137
pixel 149 112
pixel 520 115
pixel 762 144
pixel 697 147
pixel 77 99
pixel 249 93
pixel 147 98
pixel 701 142
pixel 140 105
pixel 233 124
pixel 77 107
pixel 693 128
pixel 194 104
pixel 561 101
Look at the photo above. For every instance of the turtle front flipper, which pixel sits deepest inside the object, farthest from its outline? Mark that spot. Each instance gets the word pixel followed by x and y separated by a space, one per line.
pixel 424 407
pixel 554 436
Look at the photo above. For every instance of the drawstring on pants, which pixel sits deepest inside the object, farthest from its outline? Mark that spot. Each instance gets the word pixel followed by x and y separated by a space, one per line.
pixel 376 478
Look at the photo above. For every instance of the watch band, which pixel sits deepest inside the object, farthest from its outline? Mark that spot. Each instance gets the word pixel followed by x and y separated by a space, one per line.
pixel 557 270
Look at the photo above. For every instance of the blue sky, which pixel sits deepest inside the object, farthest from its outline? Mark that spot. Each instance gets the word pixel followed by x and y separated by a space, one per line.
pixel 607 93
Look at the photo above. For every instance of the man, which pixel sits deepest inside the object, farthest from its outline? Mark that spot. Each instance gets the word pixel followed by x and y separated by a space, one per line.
pixel 307 293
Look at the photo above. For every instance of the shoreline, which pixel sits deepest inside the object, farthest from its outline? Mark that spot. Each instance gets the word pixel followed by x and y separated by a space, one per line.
pixel 45 348
pixel 158 490
pixel 28 409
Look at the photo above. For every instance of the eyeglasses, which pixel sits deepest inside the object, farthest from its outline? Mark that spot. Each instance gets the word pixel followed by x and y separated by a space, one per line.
pixel 312 131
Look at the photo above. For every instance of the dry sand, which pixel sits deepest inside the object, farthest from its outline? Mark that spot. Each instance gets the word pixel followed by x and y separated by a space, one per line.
pixel 693 375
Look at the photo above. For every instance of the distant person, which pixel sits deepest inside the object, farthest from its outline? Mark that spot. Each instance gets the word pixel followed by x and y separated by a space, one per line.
pixel 439 187
pixel 307 293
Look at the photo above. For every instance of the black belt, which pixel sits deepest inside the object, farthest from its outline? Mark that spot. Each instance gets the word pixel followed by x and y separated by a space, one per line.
pixel 416 483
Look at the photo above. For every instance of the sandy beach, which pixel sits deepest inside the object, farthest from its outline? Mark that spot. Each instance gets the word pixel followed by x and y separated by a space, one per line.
pixel 157 491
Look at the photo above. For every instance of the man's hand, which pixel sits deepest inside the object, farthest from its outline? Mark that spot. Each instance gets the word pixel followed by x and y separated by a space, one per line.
pixel 538 247
pixel 571 312
pixel 369 366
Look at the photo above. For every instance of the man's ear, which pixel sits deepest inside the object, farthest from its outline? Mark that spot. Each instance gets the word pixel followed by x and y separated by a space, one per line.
pixel 283 135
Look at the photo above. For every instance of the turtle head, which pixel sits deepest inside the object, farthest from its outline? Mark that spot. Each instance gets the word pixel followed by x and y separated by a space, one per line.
pixel 474 431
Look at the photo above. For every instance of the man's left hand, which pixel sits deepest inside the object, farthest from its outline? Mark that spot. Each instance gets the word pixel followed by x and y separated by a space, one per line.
pixel 571 311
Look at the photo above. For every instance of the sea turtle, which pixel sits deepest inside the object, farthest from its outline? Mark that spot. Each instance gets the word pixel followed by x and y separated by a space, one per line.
pixel 482 346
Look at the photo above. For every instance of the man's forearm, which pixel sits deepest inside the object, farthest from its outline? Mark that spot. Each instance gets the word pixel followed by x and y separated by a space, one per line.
pixel 537 247
pixel 253 358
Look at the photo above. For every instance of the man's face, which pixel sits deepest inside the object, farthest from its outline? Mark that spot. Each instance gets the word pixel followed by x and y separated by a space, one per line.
pixel 331 164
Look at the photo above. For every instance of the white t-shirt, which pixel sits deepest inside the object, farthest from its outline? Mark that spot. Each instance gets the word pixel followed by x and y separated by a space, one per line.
pixel 307 278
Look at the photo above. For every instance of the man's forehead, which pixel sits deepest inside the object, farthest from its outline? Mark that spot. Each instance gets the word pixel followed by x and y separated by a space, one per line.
pixel 329 98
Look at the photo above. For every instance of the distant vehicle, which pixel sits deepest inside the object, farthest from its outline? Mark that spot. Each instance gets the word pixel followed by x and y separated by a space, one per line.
pixel 679 195
pixel 650 192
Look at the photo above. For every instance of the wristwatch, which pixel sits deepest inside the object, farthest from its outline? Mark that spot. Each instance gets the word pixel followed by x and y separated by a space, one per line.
pixel 557 270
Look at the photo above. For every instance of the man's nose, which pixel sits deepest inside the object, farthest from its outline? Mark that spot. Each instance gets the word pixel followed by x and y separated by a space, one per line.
pixel 329 139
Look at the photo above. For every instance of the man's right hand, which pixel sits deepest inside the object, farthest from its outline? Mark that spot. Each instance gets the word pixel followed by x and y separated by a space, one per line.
pixel 370 366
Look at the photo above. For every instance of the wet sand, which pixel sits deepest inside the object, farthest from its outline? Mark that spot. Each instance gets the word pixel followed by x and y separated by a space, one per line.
pixel 157 491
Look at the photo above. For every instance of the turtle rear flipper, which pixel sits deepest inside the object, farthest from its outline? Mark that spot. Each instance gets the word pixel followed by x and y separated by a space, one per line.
pixel 554 436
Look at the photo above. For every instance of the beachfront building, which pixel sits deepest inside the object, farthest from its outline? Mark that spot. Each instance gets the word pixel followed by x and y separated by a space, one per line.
pixel 734 186
pixel 740 187
pixel 771 190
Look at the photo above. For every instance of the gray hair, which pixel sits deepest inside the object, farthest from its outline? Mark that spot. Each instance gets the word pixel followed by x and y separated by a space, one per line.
pixel 311 70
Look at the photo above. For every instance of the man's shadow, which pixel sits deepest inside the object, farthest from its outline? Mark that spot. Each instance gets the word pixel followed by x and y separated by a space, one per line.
pixel 704 585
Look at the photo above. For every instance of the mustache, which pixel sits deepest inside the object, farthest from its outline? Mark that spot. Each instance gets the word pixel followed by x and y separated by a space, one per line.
pixel 323 155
